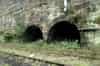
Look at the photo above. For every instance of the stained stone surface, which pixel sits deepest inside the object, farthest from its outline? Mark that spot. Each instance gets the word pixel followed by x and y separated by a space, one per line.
pixel 43 14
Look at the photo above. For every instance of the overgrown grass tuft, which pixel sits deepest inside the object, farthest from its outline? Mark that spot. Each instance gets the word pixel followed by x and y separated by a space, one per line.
pixel 42 47
pixel 63 44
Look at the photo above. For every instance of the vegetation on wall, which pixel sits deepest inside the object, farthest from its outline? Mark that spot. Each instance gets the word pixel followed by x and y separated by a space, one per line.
pixel 19 29
pixel 97 20
pixel 15 33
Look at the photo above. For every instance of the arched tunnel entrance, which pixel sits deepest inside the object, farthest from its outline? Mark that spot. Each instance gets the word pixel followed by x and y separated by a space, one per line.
pixel 62 31
pixel 32 33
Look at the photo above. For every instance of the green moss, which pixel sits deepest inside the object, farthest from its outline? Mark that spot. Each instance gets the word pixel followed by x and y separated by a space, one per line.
pixel 5 65
pixel 97 20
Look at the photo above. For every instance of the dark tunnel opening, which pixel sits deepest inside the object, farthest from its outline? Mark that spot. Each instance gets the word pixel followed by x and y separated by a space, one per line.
pixel 64 31
pixel 32 33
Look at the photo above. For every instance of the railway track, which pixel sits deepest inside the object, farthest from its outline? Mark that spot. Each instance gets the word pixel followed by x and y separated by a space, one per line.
pixel 39 61
pixel 43 62
pixel 50 57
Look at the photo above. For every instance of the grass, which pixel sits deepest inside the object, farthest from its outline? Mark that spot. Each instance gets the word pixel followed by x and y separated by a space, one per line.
pixel 5 65
pixel 43 45
pixel 39 47
pixel 57 49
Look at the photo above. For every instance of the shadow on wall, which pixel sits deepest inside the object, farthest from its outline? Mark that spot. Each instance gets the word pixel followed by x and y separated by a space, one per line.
pixel 64 30
pixel 32 33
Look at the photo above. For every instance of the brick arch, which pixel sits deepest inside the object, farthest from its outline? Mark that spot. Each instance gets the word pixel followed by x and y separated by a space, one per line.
pixel 59 19
pixel 32 33
pixel 63 30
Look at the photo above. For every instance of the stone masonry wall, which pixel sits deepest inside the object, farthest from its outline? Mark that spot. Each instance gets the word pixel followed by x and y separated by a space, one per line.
pixel 40 12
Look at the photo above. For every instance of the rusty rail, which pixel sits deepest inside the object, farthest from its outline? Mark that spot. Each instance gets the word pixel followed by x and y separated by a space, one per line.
pixel 47 61
pixel 35 59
